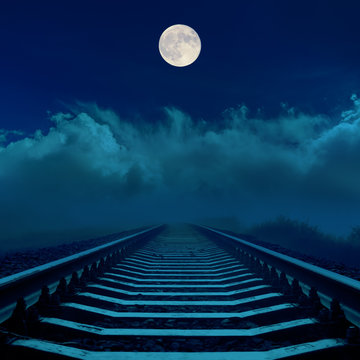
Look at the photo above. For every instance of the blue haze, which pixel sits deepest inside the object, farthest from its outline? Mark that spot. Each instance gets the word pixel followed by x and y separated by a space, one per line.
pixel 98 133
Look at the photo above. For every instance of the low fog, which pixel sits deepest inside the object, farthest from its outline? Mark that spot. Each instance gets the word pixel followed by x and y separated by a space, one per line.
pixel 94 173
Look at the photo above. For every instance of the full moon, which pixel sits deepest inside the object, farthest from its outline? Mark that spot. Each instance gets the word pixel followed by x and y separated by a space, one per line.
pixel 179 45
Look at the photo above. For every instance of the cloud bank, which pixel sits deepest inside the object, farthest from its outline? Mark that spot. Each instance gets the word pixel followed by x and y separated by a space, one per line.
pixel 94 172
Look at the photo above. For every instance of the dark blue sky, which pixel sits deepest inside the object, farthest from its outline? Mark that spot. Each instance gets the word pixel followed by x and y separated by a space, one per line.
pixel 260 53
pixel 98 132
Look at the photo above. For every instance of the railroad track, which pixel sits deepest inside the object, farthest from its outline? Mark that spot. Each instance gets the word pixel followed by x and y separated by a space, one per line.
pixel 178 293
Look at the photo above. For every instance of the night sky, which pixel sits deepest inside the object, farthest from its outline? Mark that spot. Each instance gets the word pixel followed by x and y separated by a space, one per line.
pixel 98 133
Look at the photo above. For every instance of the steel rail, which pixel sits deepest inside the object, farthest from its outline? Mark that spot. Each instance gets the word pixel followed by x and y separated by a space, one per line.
pixel 106 313
pixel 330 285
pixel 28 283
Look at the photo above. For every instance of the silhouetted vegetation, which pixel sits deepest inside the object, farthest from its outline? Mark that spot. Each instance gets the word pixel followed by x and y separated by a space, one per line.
pixel 354 237
pixel 308 239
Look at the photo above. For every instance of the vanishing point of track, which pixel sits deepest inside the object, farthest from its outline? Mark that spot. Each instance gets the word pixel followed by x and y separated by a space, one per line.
pixel 182 292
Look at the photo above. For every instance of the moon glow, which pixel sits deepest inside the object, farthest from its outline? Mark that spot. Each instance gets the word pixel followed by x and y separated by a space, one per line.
pixel 179 45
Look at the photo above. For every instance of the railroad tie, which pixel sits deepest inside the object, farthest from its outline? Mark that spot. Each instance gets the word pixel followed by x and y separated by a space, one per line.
pixel 180 294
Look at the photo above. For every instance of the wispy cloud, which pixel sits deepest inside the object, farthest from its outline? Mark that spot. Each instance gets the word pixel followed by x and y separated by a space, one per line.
pixel 93 169
pixel 6 134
